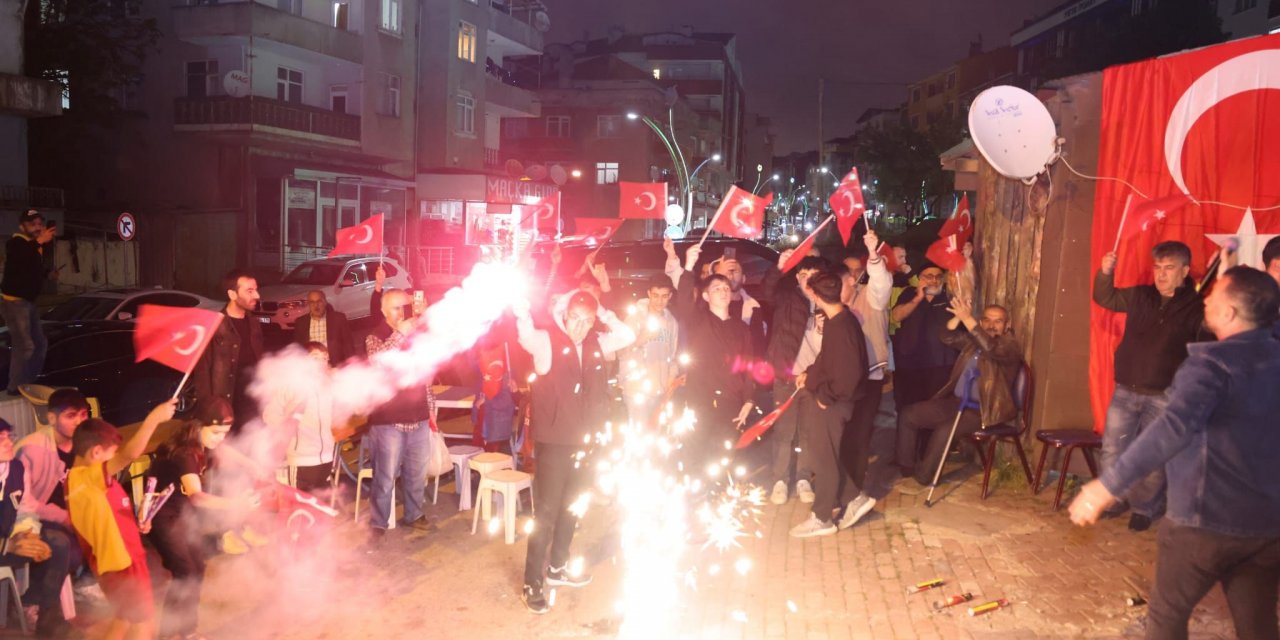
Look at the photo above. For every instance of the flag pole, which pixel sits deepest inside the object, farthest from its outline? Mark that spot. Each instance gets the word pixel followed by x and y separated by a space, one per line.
pixel 185 376
pixel 711 225
pixel 1123 216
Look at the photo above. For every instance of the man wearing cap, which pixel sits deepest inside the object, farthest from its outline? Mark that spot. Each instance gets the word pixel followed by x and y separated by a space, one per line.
pixel 24 278
pixel 923 362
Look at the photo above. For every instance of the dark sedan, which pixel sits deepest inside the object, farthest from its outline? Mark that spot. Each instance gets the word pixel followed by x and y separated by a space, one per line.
pixel 97 358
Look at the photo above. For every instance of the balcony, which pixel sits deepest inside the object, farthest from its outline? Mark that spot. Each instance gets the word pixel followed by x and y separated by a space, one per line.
pixel 208 24
pixel 265 115
pixel 23 197
pixel 29 97
pixel 508 100
pixel 520 23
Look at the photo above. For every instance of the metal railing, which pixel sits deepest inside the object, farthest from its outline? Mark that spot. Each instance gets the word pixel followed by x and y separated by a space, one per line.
pixel 257 110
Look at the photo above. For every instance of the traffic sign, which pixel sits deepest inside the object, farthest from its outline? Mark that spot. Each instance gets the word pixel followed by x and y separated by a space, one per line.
pixel 126 226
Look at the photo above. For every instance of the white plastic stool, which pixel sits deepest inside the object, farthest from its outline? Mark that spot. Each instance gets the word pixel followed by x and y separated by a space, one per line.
pixel 509 483
pixel 460 455
pixel 491 461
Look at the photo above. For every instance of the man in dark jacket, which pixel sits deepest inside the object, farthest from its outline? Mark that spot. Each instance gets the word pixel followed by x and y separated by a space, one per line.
pixel 24 278
pixel 985 372
pixel 1161 318
pixel 921 361
pixel 326 326
pixel 832 383
pixel 226 367
pixel 570 401
pixel 1216 439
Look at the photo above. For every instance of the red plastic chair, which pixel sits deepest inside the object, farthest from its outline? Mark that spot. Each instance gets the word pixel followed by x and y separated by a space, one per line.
pixel 1069 440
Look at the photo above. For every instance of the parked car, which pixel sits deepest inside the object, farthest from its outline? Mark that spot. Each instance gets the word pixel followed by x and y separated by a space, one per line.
pixel 346 281
pixel 97 358
pixel 122 304
pixel 632 264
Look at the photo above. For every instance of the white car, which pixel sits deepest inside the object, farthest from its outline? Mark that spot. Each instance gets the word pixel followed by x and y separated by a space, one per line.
pixel 347 283
pixel 122 304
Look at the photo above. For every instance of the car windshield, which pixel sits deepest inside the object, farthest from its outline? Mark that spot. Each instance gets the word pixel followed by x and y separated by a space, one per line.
pixel 81 308
pixel 314 273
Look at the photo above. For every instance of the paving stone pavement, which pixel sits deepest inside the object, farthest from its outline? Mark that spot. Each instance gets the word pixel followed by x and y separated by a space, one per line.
pixel 1063 581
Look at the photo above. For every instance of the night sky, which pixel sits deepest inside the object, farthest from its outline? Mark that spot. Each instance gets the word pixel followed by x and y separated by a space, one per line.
pixel 784 46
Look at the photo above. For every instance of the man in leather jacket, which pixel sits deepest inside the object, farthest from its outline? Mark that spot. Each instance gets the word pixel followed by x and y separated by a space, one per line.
pixel 226 367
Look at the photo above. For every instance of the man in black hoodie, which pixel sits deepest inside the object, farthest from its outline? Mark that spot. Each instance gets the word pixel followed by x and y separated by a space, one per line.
pixel 24 278
pixel 1161 318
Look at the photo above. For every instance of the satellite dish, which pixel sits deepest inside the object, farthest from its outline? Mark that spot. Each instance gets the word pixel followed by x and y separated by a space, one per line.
pixel 536 171
pixel 541 21
pixel 673 214
pixel 1013 131
pixel 514 168
pixel 236 83
pixel 558 175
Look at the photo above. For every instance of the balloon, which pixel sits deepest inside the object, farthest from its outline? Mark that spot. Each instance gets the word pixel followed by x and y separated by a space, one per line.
pixel 674 214
pixel 675 232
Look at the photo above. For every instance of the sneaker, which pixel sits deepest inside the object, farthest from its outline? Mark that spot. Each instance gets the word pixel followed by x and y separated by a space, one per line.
pixel 853 512
pixel 805 491
pixel 254 538
pixel 421 524
pixel 232 545
pixel 534 600
pixel 779 495
pixel 1139 522
pixel 563 578
pixel 812 527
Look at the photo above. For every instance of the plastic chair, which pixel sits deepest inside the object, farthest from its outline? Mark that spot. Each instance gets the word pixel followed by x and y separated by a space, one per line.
pixel 9 585
pixel 509 483
pixel 1069 440
pixel 1012 432
pixel 460 455
pixel 366 473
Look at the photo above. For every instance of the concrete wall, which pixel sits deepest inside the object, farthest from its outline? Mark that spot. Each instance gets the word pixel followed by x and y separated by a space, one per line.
pixel 88 263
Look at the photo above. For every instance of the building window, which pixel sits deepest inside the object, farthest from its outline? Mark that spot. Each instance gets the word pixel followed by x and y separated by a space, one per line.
pixel 465 122
pixel 557 126
pixel 951 80
pixel 389 101
pixel 608 126
pixel 202 78
pixel 466 41
pixel 915 122
pixel 657 73
pixel 1245 5
pixel 338 98
pixel 341 15
pixel 288 85
pixel 390 16
pixel 606 172
pixel 915 95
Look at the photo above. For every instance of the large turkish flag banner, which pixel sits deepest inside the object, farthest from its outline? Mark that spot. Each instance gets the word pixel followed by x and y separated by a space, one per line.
pixel 1205 124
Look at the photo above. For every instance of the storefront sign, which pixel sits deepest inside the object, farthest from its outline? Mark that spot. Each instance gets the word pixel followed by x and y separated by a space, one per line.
pixel 515 191
pixel 302 197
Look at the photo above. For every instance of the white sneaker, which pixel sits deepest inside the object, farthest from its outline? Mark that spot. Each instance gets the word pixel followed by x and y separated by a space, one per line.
pixel 804 491
pixel 857 507
pixel 779 495
pixel 813 527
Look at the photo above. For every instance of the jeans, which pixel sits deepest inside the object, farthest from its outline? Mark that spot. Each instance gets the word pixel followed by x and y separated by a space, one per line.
pixel 1129 414
pixel 786 436
pixel 28 344
pixel 556 485
pixel 178 540
pixel 935 416
pixel 1190 561
pixel 47 577
pixel 403 454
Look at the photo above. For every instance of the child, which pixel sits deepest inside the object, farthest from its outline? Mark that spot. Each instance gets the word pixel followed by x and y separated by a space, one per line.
pixel 183 461
pixel 104 519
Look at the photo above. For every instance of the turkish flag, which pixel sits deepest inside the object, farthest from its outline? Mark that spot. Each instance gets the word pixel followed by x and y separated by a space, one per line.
pixel 847 203
pixel 1205 124
pixel 363 238
pixel 1146 216
pixel 546 214
pixel 804 247
pixel 756 430
pixel 741 214
pixel 946 253
pixel 960 224
pixel 890 260
pixel 173 336
pixel 645 200
pixel 596 231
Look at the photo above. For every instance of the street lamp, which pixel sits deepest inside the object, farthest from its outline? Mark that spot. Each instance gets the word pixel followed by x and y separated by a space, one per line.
pixel 673 148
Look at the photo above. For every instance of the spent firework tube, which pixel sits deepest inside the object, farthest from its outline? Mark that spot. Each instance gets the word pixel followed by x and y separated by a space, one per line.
pixel 953 601
pixel 159 501
pixel 925 586
pixel 146 499
pixel 988 607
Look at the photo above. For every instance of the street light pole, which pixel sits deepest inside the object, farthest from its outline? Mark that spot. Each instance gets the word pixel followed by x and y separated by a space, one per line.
pixel 673 148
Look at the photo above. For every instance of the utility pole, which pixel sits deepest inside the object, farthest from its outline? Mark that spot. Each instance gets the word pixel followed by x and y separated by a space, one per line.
pixel 821 86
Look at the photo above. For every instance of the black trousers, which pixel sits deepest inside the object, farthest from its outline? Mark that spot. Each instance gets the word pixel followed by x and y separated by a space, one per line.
pixel 178 541
pixel 912 385
pixel 556 484
pixel 314 478
pixel 825 429
pixel 714 426
pixel 1191 560
pixel 855 449
pixel 935 417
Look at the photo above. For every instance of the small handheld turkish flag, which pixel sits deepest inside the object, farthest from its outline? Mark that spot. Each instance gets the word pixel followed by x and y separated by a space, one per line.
pixel 804 247
pixel 172 336
pixel 546 214
pixel 741 214
pixel 596 231
pixel 365 237
pixel 847 203
pixel 890 260
pixel 1147 215
pixel 756 430
pixel 646 200
pixel 960 224
pixel 946 253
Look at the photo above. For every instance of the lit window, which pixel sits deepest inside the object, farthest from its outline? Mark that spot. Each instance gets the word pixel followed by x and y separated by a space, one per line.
pixel 288 85
pixel 202 78
pixel 557 126
pixel 465 121
pixel 467 41
pixel 390 16
pixel 606 172
pixel 657 73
